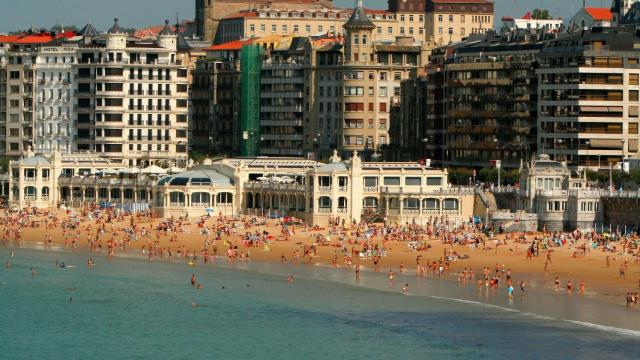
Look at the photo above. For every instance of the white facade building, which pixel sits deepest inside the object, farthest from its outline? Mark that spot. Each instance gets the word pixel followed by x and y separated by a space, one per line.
pixel 132 98
pixel 54 111
pixel 529 23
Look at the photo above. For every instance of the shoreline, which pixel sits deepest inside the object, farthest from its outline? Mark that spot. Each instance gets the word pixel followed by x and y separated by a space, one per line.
pixel 601 283
pixel 438 287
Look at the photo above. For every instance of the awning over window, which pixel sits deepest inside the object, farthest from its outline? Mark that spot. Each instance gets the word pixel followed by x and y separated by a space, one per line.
pixel 606 143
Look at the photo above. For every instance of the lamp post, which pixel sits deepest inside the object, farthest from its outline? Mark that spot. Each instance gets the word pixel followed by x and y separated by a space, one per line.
pixel 498 161
pixel 425 141
pixel 587 143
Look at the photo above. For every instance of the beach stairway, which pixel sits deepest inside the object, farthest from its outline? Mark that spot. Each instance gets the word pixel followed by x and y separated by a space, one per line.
pixel 369 216
pixel 484 204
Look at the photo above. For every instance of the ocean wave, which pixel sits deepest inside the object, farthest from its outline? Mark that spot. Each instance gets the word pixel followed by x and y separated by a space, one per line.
pixel 619 331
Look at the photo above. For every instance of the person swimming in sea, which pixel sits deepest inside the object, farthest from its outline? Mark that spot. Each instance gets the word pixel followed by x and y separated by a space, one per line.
pixel 510 292
pixel 405 289
pixel 193 279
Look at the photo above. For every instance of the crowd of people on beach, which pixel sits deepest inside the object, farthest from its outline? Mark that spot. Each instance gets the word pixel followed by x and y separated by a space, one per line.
pixel 110 231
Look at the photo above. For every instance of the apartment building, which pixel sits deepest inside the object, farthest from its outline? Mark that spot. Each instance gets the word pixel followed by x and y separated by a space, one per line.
pixel 589 96
pixel 449 21
pixel 132 98
pixel 216 106
pixel 491 95
pixel 282 100
pixel 475 102
pixel 353 87
pixel 54 111
pixel 209 13
pixel 274 21
pixel 21 61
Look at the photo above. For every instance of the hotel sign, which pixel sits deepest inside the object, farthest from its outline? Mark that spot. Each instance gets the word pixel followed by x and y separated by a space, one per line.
pixel 59 49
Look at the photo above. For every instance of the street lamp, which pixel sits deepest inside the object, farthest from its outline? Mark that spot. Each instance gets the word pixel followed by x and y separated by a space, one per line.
pixel 425 141
pixel 498 161
pixel 587 143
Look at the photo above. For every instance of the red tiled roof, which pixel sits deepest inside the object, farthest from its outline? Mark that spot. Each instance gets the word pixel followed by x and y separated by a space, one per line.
pixel 41 38
pixel 232 45
pixel 9 38
pixel 242 14
pixel 527 16
pixel 599 13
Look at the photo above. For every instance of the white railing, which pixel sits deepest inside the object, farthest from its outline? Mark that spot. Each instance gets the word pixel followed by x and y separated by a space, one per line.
pixel 324 210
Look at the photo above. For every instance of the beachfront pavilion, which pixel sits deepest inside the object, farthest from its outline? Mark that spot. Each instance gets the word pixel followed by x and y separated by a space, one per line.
pixel 349 190
pixel 35 179
pixel 369 191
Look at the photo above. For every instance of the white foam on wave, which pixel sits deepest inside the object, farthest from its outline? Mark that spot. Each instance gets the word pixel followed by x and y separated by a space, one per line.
pixel 619 331
pixel 478 303
pixel 605 328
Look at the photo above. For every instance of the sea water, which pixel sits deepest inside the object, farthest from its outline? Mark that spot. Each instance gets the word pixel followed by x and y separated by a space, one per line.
pixel 131 308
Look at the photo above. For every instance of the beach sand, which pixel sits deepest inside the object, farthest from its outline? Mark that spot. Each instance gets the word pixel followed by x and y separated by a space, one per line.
pixel 601 281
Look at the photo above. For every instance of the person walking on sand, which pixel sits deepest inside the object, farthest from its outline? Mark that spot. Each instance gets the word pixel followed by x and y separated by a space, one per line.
pixel 557 284
pixel 581 287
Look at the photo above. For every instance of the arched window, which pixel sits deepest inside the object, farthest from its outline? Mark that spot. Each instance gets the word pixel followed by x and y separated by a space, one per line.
pixel 45 193
pixel 249 201
pixel 370 201
pixel 450 204
pixel 356 39
pixel 115 194
pixel 364 39
pixel 342 202
pixel 411 203
pixel 224 198
pixel 324 202
pixel 200 198
pixel 431 204
pixel 30 193
pixel 176 198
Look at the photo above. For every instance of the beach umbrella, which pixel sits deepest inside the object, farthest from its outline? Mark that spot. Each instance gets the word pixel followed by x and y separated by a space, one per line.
pixel 209 210
pixel 262 178
pixel 153 169
pixel 132 170
pixel 175 170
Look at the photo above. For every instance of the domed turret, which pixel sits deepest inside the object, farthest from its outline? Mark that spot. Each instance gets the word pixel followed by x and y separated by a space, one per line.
pixel 116 37
pixel 167 38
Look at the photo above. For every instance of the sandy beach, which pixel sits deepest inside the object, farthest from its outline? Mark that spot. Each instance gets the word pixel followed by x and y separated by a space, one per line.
pixel 72 230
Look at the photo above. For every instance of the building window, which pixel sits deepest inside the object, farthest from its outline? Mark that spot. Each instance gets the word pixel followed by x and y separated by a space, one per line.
pixel 263 28
pixel 450 31
pixel 273 28
pixel 439 18
pixel 252 28
pixel 402 30
pixel 462 19
pixel 295 28
pixel 439 31
pixel 450 18
pixel 307 28
pixel 389 30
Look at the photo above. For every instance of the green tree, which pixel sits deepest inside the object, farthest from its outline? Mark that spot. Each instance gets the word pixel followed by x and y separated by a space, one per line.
pixel 460 176
pixel 488 174
pixel 541 14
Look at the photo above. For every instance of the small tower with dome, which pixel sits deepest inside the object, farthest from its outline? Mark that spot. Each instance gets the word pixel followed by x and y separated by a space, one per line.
pixel 167 38
pixel 116 37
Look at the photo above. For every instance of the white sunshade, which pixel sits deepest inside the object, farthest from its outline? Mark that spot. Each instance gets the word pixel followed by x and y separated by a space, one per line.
pixel 175 170
pixel 132 170
pixel 153 169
